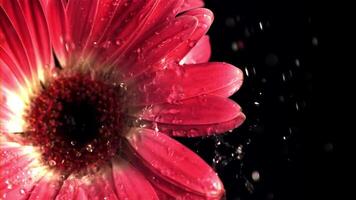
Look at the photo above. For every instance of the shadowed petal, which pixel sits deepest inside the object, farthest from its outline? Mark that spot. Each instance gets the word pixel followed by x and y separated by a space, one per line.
pixel 185 82
pixel 130 183
pixel 200 116
pixel 175 164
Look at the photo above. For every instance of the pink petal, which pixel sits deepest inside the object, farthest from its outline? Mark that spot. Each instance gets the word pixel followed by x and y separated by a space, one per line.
pixel 59 30
pixel 191 4
pixel 184 82
pixel 144 55
pixel 20 170
pixel 92 186
pixel 130 183
pixel 16 16
pixel 47 187
pixel 81 15
pixel 175 164
pixel 205 19
pixel 200 116
pixel 200 53
pixel 29 22
pixel 37 25
pixel 132 23
pixel 11 75
pixel 12 44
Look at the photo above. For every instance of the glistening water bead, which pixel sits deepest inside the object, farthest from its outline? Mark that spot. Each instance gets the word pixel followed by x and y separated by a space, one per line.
pixel 77 117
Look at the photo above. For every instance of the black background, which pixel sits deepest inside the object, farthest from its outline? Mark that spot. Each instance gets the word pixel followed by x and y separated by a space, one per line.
pixel 275 43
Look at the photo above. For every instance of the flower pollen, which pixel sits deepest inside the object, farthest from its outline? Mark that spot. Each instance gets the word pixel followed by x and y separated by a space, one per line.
pixel 76 122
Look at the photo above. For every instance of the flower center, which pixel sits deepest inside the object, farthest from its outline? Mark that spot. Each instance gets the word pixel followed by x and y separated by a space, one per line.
pixel 76 122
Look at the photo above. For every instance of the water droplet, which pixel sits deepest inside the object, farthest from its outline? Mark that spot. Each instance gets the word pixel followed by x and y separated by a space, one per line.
pixel 315 41
pixel 260 25
pixel 246 72
pixel 22 191
pixel 118 42
pixel 234 46
pixel 107 44
pixel 255 176
pixel 328 147
pixel 271 59
pixel 230 22
pixel 283 77
pixel 192 44
pixel 297 62
pixel 52 163
pixel 89 148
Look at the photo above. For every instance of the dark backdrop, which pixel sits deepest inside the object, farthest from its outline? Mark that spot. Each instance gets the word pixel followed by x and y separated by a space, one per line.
pixel 275 43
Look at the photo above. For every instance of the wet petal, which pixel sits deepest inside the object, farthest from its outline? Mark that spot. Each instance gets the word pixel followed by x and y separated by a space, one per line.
pixel 144 55
pixel 98 185
pixel 20 170
pixel 131 23
pixel 205 18
pixel 198 116
pixel 81 15
pixel 47 187
pixel 175 164
pixel 178 83
pixel 130 183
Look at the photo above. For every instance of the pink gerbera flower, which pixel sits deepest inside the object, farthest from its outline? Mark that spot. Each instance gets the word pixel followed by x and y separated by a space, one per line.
pixel 92 90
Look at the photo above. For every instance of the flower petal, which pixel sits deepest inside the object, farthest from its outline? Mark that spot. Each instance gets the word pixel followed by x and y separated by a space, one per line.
pixel 144 16
pixel 200 116
pixel 81 15
pixel 29 21
pixel 47 187
pixel 177 83
pixel 37 25
pixel 59 30
pixel 20 170
pixel 130 183
pixel 205 18
pixel 92 186
pixel 144 55
pixel 175 164
pixel 191 4
pixel 200 53
pixel 12 44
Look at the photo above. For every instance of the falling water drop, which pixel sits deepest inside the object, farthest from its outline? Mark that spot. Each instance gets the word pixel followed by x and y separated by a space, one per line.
pixel 89 148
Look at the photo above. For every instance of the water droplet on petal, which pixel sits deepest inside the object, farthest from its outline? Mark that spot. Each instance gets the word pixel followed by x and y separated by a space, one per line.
pixel 22 191
pixel 52 163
